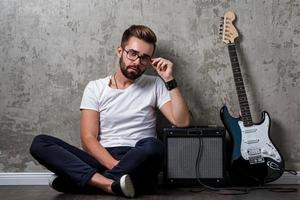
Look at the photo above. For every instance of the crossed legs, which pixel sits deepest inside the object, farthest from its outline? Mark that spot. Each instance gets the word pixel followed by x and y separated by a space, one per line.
pixel 141 162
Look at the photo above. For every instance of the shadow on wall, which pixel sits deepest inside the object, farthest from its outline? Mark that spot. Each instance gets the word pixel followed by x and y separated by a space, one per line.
pixel 277 138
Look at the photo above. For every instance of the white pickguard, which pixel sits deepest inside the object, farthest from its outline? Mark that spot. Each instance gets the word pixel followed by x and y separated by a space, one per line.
pixel 256 144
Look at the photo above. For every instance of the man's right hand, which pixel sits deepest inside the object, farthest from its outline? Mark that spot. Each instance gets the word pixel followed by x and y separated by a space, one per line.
pixel 89 129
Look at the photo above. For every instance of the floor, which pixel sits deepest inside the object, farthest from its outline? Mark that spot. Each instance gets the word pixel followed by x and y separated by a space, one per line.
pixel 46 193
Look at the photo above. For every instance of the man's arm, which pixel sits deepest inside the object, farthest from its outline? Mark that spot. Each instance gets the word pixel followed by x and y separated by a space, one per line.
pixel 89 129
pixel 176 110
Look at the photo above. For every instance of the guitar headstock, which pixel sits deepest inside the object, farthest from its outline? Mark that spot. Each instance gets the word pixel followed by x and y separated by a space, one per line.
pixel 228 32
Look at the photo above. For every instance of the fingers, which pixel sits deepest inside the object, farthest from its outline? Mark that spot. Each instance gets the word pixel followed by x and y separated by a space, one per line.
pixel 161 64
pixel 163 67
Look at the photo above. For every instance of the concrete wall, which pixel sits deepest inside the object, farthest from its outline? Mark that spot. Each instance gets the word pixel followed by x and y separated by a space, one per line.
pixel 50 49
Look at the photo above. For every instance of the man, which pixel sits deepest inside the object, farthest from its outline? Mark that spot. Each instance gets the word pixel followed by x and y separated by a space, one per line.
pixel 117 125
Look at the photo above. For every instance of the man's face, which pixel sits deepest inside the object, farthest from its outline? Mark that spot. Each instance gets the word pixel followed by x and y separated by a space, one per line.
pixel 133 69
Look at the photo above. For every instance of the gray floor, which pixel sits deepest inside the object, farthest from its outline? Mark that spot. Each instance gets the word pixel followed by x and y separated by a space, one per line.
pixel 46 193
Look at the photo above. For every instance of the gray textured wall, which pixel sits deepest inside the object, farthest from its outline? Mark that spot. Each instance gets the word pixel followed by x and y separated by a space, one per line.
pixel 50 49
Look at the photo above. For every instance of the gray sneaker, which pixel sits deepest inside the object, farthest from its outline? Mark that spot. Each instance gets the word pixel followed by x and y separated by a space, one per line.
pixel 124 187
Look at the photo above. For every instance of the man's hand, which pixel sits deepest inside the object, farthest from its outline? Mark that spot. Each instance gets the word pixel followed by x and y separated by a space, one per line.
pixel 89 129
pixel 164 68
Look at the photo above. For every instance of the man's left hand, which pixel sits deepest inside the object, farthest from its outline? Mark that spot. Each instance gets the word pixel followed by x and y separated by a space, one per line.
pixel 164 68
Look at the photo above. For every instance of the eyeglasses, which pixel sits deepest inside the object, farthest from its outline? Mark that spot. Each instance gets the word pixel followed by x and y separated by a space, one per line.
pixel 133 55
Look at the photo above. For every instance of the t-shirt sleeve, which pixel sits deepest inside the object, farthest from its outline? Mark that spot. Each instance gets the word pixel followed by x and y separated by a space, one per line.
pixel 89 99
pixel 163 95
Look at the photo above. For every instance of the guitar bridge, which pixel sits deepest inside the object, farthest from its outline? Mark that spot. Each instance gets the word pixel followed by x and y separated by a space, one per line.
pixel 256 160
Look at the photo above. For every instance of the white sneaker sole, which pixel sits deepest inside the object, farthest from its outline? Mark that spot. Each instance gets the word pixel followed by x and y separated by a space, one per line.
pixel 51 179
pixel 127 186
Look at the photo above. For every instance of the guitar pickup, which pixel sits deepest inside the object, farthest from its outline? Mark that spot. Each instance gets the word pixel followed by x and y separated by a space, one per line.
pixel 252 152
pixel 252 141
pixel 251 130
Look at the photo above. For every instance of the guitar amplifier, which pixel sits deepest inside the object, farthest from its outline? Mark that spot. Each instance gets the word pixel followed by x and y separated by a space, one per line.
pixel 194 156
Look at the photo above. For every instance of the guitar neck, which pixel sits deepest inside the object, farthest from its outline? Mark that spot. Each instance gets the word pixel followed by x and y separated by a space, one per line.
pixel 240 87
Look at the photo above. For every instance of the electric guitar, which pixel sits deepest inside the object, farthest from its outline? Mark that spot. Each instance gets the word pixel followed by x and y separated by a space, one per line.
pixel 255 159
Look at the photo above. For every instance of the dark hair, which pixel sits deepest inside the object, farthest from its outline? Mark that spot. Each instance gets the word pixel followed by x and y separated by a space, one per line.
pixel 140 31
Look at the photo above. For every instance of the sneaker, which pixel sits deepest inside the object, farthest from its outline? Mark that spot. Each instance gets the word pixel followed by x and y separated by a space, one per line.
pixel 52 181
pixel 61 185
pixel 124 187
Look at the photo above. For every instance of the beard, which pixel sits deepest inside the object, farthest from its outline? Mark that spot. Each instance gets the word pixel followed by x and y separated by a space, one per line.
pixel 130 75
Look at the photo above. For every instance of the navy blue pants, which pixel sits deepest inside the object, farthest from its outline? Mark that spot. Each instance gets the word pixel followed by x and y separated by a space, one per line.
pixel 142 162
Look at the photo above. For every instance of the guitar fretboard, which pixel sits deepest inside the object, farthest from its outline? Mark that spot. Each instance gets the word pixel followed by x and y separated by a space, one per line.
pixel 239 84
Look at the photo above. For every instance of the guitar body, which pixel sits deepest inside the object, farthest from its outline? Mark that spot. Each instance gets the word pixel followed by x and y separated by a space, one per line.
pixel 255 160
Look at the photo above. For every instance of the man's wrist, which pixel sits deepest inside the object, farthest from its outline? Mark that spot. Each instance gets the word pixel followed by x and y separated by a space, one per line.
pixel 167 79
pixel 170 85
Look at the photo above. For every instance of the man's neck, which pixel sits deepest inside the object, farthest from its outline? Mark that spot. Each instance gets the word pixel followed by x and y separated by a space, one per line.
pixel 120 81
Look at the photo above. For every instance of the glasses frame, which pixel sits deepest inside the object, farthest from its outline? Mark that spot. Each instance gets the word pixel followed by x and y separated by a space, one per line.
pixel 141 57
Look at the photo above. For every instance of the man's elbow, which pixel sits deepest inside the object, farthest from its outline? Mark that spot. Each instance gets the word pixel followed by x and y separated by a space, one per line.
pixel 183 123
pixel 83 145
pixel 85 140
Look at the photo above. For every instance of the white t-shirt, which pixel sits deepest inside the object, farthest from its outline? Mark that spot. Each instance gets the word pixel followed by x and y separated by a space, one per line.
pixel 126 115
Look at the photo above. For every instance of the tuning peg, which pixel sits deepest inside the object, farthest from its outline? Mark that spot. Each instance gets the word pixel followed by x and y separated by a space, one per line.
pixel 221 26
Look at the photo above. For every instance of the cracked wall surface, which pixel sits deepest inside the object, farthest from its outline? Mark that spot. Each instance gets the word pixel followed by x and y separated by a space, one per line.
pixel 50 49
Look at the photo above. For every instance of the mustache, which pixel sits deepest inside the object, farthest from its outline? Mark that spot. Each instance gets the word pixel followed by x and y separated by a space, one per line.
pixel 135 67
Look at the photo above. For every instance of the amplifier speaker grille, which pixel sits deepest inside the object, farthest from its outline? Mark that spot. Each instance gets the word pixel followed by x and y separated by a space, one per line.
pixel 182 156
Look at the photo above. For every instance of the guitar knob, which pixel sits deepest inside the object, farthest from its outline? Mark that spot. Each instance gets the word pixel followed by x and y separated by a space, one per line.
pixel 272 154
pixel 264 151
